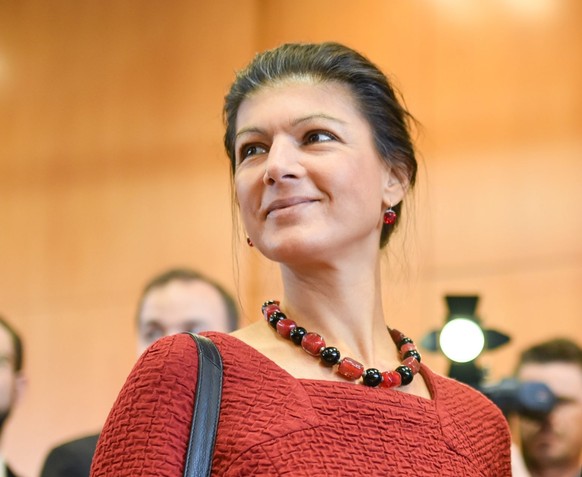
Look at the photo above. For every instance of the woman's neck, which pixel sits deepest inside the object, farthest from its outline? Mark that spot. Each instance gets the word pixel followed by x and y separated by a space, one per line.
pixel 345 308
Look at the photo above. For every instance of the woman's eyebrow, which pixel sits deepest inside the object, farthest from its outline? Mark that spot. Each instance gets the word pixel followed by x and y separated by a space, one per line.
pixel 249 130
pixel 294 122
pixel 302 119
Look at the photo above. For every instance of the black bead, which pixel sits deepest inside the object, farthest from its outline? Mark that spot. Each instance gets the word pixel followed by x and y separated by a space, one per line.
pixel 406 374
pixel 372 377
pixel 412 353
pixel 267 303
pixel 297 334
pixel 330 355
pixel 404 341
pixel 275 317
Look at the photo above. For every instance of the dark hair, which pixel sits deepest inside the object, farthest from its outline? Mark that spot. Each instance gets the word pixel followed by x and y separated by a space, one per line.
pixel 16 344
pixel 557 350
pixel 333 62
pixel 188 275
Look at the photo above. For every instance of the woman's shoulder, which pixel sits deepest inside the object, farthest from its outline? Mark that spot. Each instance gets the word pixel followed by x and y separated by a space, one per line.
pixel 452 390
pixel 155 406
pixel 167 370
pixel 459 399
pixel 181 344
pixel 470 421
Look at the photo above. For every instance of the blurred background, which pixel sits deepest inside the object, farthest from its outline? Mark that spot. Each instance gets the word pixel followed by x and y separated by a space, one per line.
pixel 112 169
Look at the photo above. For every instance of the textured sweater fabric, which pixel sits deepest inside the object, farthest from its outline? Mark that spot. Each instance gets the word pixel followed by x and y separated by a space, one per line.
pixel 272 424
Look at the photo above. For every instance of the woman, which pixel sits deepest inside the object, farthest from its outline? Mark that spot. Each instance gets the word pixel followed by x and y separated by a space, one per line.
pixel 321 159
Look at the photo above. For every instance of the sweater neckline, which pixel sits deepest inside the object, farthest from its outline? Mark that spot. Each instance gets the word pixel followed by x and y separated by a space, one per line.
pixel 426 373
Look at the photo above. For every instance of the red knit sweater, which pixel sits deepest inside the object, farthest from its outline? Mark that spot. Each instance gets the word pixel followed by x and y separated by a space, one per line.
pixel 272 424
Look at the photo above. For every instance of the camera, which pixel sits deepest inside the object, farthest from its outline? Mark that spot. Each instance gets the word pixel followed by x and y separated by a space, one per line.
pixel 528 398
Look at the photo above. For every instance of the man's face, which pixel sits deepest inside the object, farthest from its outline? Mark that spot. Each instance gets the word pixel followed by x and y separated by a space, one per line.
pixel 558 437
pixel 9 378
pixel 181 306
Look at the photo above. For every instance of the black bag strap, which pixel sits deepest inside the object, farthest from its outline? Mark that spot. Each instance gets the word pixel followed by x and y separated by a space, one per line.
pixel 206 409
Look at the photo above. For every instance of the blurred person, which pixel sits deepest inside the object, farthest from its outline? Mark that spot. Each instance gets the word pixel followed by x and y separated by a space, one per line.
pixel 12 380
pixel 321 158
pixel 175 301
pixel 183 300
pixel 551 446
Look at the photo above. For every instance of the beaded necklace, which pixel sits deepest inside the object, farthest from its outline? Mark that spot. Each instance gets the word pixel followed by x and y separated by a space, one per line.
pixel 349 368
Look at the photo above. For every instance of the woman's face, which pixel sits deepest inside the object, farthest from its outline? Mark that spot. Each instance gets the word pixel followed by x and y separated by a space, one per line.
pixel 309 181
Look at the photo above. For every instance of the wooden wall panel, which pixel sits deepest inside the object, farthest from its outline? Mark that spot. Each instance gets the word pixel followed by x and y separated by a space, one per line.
pixel 111 170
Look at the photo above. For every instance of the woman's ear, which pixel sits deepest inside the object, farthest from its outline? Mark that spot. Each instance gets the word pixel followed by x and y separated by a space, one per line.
pixel 395 187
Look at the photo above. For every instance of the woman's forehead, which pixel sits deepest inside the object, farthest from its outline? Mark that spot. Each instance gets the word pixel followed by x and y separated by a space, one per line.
pixel 306 97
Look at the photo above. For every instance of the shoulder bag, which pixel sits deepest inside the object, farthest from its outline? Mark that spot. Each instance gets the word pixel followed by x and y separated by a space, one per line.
pixel 206 409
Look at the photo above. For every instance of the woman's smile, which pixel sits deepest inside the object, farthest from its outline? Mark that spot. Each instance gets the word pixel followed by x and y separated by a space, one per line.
pixel 286 207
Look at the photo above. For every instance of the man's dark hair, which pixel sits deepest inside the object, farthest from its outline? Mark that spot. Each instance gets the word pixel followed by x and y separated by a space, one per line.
pixel 557 350
pixel 188 275
pixel 16 344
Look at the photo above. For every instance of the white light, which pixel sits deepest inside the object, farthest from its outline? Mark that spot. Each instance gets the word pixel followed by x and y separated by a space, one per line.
pixel 461 340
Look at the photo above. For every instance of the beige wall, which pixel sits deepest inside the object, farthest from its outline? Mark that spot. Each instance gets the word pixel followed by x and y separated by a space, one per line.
pixel 111 169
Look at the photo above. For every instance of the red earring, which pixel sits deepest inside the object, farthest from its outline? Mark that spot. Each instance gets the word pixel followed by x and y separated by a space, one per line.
pixel 390 216
pixel 249 243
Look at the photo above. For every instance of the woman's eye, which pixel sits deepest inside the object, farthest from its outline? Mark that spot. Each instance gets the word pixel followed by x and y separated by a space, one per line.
pixel 319 136
pixel 252 150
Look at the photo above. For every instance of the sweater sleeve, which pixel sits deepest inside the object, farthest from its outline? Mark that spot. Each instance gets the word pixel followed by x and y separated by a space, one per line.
pixel 147 430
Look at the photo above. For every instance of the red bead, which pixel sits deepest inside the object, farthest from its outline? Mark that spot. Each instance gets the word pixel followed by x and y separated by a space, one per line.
pixel 269 302
pixel 285 326
pixel 389 217
pixel 313 343
pixel 413 364
pixel 270 309
pixel 390 379
pixel 350 368
pixel 407 347
pixel 396 336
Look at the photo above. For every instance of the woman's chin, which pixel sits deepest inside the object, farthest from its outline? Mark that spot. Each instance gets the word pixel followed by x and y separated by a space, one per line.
pixel 293 251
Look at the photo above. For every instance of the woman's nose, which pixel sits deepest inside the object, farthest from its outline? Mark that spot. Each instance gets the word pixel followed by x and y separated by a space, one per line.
pixel 283 162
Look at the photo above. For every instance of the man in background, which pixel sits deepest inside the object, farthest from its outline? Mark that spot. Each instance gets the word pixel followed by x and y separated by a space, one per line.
pixel 551 446
pixel 12 380
pixel 178 300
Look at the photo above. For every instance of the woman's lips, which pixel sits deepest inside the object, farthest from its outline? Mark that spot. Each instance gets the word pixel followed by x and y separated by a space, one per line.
pixel 281 204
